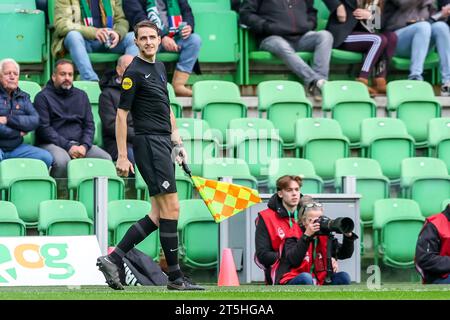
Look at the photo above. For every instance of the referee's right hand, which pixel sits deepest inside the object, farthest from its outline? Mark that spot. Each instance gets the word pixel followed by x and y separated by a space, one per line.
pixel 123 167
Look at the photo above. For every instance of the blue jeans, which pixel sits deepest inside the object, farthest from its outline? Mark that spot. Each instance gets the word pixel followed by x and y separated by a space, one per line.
pixel 79 48
pixel 304 278
pixel 340 278
pixel 320 42
pixel 442 280
pixel 27 151
pixel 415 41
pixel 189 49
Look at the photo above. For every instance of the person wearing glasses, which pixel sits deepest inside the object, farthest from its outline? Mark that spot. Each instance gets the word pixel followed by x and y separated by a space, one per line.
pixel 274 223
pixel 304 256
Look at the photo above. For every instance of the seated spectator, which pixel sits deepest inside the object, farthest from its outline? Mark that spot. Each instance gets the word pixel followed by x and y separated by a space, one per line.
pixel 66 127
pixel 17 117
pixel 353 29
pixel 83 27
pixel 108 102
pixel 418 31
pixel 284 27
pixel 433 249
pixel 175 20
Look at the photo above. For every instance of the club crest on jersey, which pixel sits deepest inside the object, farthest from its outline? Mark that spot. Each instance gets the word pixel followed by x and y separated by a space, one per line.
pixel 127 83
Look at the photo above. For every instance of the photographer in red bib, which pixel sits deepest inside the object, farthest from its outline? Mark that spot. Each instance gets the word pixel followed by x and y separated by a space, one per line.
pixel 294 241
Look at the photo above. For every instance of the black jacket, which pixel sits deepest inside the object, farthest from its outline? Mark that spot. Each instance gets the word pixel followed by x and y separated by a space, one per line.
pixel 396 12
pixel 135 12
pixel 263 246
pixel 65 116
pixel 289 19
pixel 107 110
pixel 339 30
pixel 21 117
pixel 427 252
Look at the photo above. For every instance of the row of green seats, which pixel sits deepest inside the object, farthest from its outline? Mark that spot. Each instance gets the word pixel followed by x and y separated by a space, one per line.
pixel 70 218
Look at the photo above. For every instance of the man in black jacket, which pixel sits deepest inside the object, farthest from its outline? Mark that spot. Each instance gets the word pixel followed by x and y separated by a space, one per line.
pixel 284 27
pixel 175 20
pixel 66 128
pixel 433 249
pixel 108 102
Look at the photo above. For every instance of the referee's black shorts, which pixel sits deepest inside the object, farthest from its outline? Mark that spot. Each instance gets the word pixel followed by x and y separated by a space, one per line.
pixel 152 154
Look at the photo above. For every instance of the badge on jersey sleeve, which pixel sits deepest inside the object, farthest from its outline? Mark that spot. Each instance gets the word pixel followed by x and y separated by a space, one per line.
pixel 127 83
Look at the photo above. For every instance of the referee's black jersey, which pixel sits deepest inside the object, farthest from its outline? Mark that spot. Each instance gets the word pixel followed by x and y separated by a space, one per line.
pixel 144 93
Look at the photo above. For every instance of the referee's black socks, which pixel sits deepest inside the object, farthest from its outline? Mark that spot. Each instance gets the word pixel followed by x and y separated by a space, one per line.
pixel 168 236
pixel 135 234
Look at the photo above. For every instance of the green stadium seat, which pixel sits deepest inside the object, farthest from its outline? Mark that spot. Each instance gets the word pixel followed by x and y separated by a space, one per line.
pixel 199 235
pixel 10 223
pixel 122 214
pixel 177 108
pixel 32 88
pixel 284 102
pixel 256 141
pixel 222 41
pixel 304 168
pixel 26 42
pixel 17 5
pixel 255 59
pixel 184 185
pixel 414 103
pixel 439 139
pixel 321 141
pixel 396 227
pixel 387 141
pixel 229 167
pixel 93 91
pixel 199 141
pixel 209 5
pixel 22 177
pixel 81 174
pixel 349 103
pixel 431 63
pixel 64 218
pixel 370 183
pixel 426 181
pixel 219 102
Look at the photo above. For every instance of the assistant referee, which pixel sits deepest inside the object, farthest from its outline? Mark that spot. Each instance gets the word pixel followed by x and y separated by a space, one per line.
pixel 144 93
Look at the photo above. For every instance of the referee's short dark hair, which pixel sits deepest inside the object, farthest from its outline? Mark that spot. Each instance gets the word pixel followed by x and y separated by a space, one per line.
pixel 145 24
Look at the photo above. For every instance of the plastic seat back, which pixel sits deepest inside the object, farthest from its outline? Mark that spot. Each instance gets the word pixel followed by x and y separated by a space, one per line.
pixel 284 102
pixel 198 235
pixel 415 103
pixel 64 218
pixel 122 214
pixel 10 223
pixel 439 139
pixel 229 167
pixel 349 103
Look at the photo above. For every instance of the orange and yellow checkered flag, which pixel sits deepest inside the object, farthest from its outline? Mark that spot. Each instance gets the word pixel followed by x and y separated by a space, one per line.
pixel 225 199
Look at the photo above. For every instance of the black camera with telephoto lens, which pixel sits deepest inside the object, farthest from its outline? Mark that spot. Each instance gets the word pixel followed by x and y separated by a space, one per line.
pixel 338 225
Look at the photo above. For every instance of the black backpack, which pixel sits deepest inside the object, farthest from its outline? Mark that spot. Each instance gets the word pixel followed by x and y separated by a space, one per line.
pixel 140 270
